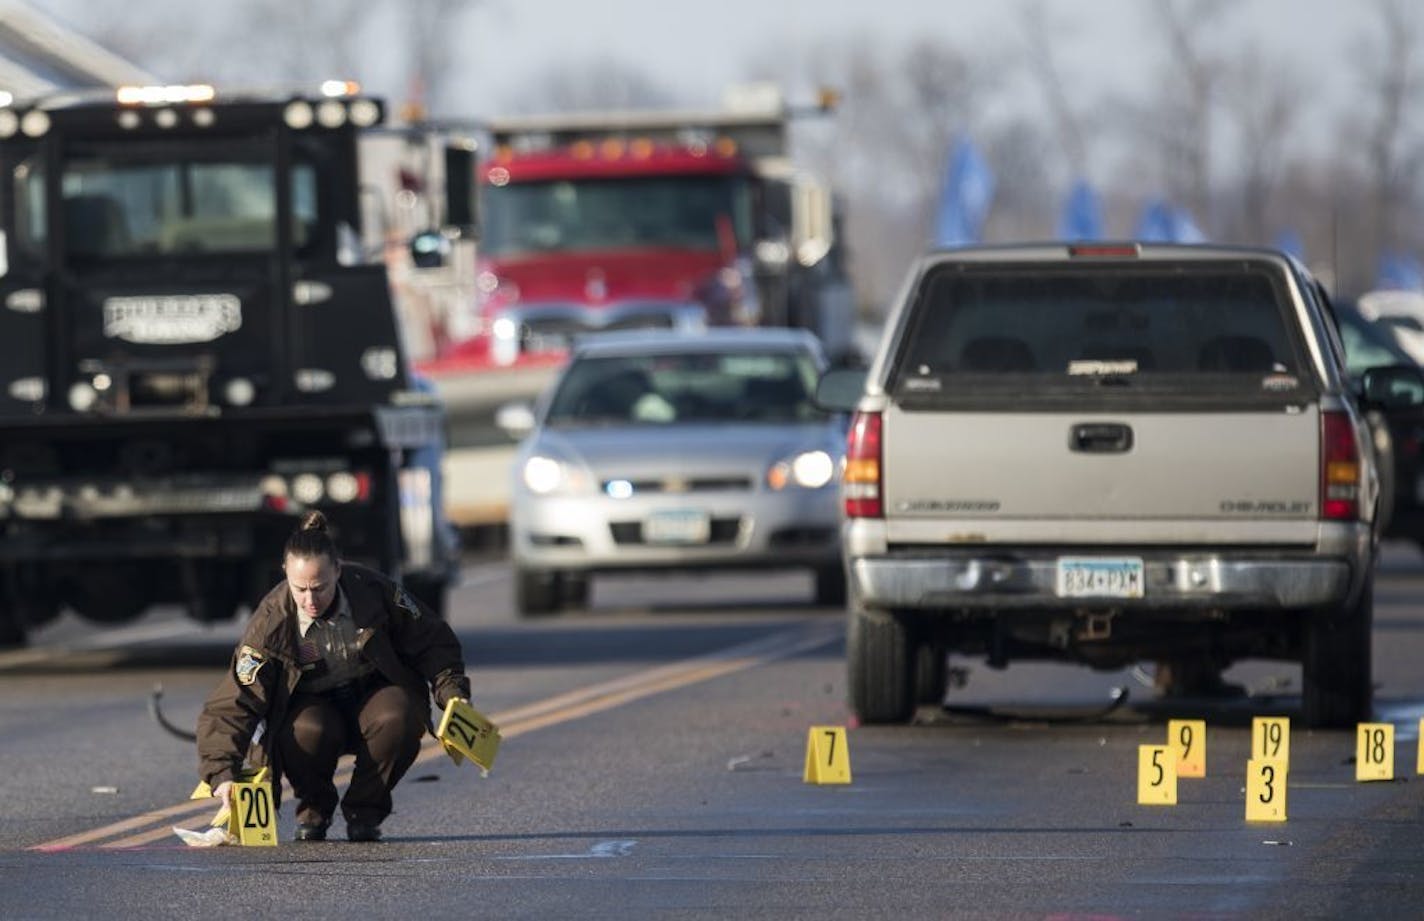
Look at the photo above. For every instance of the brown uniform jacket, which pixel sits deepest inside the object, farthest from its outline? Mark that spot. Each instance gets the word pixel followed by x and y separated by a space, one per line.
pixel 406 643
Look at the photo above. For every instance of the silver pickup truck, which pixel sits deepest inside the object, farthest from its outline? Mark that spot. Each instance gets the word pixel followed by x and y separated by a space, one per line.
pixel 1105 454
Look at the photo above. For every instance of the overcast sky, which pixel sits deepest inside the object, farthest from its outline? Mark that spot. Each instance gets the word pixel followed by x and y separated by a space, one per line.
pixel 701 45
pixel 697 48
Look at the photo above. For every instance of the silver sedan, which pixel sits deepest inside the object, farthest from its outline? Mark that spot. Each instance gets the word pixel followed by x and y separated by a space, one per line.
pixel 666 451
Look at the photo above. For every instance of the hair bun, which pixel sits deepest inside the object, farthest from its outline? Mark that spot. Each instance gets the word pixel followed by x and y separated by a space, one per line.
pixel 313 521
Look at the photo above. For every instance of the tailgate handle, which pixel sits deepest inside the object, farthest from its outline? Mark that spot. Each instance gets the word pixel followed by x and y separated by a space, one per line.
pixel 1101 438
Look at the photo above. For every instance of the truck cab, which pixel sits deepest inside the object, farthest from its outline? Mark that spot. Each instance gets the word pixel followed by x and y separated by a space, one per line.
pixel 683 220
pixel 196 348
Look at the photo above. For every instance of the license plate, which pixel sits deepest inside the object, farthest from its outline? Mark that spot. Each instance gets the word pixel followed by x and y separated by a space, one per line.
pixel 1099 577
pixel 546 342
pixel 677 527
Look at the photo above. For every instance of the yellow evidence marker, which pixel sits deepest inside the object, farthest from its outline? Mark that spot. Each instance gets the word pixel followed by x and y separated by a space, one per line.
pixel 250 814
pixel 1188 740
pixel 467 733
pixel 1156 775
pixel 254 817
pixel 1374 751
pixel 1266 790
pixel 827 755
pixel 1270 738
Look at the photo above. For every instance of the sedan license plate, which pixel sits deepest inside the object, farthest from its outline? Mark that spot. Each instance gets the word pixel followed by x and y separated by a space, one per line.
pixel 677 527
pixel 1099 577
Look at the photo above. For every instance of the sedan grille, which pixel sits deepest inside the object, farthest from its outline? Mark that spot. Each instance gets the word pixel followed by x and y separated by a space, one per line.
pixel 687 485
pixel 723 531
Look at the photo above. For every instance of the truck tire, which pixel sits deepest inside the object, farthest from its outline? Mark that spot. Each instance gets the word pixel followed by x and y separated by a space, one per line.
pixel 931 673
pixel 215 591
pixel 1337 679
pixel 113 594
pixel 12 631
pixel 536 592
pixel 573 590
pixel 831 586
pixel 879 667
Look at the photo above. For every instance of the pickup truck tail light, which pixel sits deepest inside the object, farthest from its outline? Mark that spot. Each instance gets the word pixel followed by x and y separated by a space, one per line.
pixel 861 483
pixel 1339 468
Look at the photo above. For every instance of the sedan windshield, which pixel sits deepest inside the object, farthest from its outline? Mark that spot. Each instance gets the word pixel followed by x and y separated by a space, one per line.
pixel 687 388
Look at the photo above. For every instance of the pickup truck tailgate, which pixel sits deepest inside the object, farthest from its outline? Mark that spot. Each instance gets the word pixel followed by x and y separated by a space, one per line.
pixel 1069 472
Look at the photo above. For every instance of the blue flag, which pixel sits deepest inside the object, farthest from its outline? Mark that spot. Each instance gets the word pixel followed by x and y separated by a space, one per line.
pixel 1082 215
pixel 1290 243
pixel 1162 222
pixel 964 200
pixel 1399 272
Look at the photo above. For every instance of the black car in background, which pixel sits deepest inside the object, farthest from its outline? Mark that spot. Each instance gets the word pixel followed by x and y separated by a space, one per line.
pixel 1398 429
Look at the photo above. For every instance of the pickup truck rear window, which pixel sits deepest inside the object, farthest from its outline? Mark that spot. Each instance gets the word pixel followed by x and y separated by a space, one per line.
pixel 1219 326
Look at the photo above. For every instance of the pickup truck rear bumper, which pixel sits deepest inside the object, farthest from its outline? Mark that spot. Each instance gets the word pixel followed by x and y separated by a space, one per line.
pixel 1188 581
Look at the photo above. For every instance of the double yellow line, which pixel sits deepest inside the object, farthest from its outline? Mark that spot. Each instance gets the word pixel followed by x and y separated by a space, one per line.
pixel 149 827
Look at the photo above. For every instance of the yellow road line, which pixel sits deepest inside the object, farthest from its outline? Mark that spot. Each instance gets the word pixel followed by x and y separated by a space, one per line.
pixel 516 721
pixel 137 821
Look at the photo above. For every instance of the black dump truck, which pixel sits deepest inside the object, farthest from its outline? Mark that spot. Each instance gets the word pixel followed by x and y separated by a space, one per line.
pixel 196 347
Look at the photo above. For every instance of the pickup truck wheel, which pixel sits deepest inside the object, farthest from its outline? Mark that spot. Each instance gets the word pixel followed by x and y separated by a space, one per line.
pixel 214 590
pixel 536 592
pixel 831 586
pixel 573 590
pixel 1337 680
pixel 879 667
pixel 931 673
pixel 12 631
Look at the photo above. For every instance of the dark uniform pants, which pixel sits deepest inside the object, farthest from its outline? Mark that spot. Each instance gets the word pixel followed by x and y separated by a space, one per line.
pixel 382 727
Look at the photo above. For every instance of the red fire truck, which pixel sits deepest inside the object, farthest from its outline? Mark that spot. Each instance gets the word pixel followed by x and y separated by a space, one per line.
pixel 613 220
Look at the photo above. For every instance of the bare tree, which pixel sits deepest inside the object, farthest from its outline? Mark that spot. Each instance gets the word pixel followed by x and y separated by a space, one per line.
pixel 1181 115
pixel 167 46
pixel 249 43
pixel 941 93
pixel 1068 123
pixel 886 146
pixel 1018 152
pixel 433 30
pixel 597 83
pixel 301 42
pixel 1392 77
pixel 1263 102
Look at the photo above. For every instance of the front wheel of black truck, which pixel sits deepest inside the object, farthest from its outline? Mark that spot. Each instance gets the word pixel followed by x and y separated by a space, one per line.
pixel 879 667
pixel 12 631
pixel 1337 678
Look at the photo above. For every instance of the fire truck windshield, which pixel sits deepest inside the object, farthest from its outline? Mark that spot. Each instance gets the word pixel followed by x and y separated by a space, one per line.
pixel 114 207
pixel 681 212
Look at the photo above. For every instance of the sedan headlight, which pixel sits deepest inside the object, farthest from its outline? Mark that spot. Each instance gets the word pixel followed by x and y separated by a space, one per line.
pixel 547 476
pixel 809 470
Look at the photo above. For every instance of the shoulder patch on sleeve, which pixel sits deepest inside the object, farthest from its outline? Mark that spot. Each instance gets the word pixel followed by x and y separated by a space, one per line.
pixel 403 600
pixel 249 663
